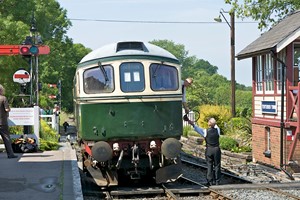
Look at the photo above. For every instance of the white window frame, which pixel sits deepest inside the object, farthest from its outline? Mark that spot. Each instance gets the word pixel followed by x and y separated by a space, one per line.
pixel 296 65
pixel 268 138
pixel 269 74
pixel 267 151
pixel 259 75
pixel 281 56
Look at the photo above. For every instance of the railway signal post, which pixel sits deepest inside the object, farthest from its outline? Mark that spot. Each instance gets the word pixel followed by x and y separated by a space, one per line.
pixel 30 49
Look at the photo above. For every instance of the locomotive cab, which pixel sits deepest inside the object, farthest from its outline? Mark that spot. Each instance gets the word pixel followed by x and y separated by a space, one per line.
pixel 128 99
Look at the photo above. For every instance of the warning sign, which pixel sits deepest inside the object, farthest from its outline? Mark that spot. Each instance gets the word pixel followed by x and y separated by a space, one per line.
pixel 21 76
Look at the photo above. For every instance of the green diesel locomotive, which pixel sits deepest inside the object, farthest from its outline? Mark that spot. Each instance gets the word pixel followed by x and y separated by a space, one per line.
pixel 128 111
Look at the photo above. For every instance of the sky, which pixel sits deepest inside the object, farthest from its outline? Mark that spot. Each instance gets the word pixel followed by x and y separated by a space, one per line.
pixel 206 39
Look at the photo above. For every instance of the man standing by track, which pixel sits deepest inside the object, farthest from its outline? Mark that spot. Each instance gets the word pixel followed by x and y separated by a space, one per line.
pixel 213 151
pixel 4 131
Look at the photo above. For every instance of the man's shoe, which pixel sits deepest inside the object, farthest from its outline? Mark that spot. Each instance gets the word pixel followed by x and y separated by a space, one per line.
pixel 12 156
pixel 209 184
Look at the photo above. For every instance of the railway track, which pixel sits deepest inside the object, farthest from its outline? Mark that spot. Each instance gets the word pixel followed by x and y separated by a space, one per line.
pixel 227 178
pixel 260 191
pixel 170 191
pixel 187 188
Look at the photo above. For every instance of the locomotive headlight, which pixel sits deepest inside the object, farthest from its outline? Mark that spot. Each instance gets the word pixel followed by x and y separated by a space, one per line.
pixel 116 147
pixel 152 144
pixel 171 148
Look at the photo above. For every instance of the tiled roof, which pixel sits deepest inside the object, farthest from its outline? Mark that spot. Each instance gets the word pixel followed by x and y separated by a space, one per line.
pixel 276 38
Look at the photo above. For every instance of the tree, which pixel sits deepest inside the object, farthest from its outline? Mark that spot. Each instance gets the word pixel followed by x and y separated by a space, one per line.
pixel 266 12
pixel 209 87
pixel 190 64
pixel 178 50
pixel 51 22
pixel 244 98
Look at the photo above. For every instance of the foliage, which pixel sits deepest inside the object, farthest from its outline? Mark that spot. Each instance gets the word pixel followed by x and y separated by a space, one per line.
pixel 198 93
pixel 228 143
pixel 205 78
pixel 231 144
pixel 243 103
pixel 189 131
pixel 241 149
pixel 222 96
pixel 16 130
pixel 243 112
pixel 240 129
pixel 51 23
pixel 190 64
pixel 48 137
pixel 186 130
pixel 177 50
pixel 241 123
pixel 267 12
pixel 220 113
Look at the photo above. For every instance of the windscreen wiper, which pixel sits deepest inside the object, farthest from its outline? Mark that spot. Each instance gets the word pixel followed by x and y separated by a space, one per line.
pixel 104 72
pixel 155 71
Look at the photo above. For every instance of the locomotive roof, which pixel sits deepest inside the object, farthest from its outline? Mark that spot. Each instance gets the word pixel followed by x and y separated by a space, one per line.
pixel 128 48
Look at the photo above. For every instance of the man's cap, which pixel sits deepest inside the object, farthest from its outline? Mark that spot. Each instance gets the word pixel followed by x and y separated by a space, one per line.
pixel 189 80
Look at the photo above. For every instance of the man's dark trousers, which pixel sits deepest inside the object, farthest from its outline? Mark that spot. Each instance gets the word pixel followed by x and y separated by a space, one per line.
pixel 213 159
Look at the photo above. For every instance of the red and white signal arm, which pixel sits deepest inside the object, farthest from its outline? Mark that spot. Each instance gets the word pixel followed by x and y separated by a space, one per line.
pixel 21 76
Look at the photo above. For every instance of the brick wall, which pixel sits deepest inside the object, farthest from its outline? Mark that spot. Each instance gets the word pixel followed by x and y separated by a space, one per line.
pixel 259 146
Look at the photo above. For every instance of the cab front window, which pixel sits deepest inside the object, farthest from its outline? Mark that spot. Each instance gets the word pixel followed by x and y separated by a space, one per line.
pixel 163 77
pixel 98 80
pixel 132 77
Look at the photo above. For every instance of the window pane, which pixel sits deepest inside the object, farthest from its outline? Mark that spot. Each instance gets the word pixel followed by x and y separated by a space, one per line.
pixel 269 73
pixel 97 80
pixel 259 73
pixel 132 77
pixel 163 77
pixel 281 56
pixel 296 54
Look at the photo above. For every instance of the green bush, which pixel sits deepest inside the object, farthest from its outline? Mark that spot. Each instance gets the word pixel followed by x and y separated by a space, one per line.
pixel 186 130
pixel 228 143
pixel 245 112
pixel 241 124
pixel 48 145
pixel 48 137
pixel 241 149
pixel 220 113
pixel 16 130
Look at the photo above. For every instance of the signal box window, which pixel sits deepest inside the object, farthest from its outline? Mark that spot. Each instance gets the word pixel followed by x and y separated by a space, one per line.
pixel 267 151
pixel 296 63
pixel 98 80
pixel 132 77
pixel 163 77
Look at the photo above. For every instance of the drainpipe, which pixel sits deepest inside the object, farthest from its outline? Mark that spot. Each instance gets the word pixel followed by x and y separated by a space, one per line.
pixel 282 114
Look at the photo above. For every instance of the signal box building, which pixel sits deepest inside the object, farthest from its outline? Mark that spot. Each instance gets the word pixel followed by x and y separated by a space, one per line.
pixel 276 94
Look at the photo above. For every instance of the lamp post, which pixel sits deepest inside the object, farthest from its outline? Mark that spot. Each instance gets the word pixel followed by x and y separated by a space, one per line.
pixel 232 53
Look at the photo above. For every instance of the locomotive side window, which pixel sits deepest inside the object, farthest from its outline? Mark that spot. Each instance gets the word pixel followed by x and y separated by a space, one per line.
pixel 163 77
pixel 98 80
pixel 132 77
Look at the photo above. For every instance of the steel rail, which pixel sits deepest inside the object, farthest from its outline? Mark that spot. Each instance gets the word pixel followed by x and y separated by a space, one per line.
pixel 215 194
pixel 170 195
pixel 283 193
pixel 223 172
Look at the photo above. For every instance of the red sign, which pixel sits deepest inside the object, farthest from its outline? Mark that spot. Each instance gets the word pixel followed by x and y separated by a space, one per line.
pixel 52 96
pixel 9 49
pixel 52 85
pixel 15 49
pixel 21 76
